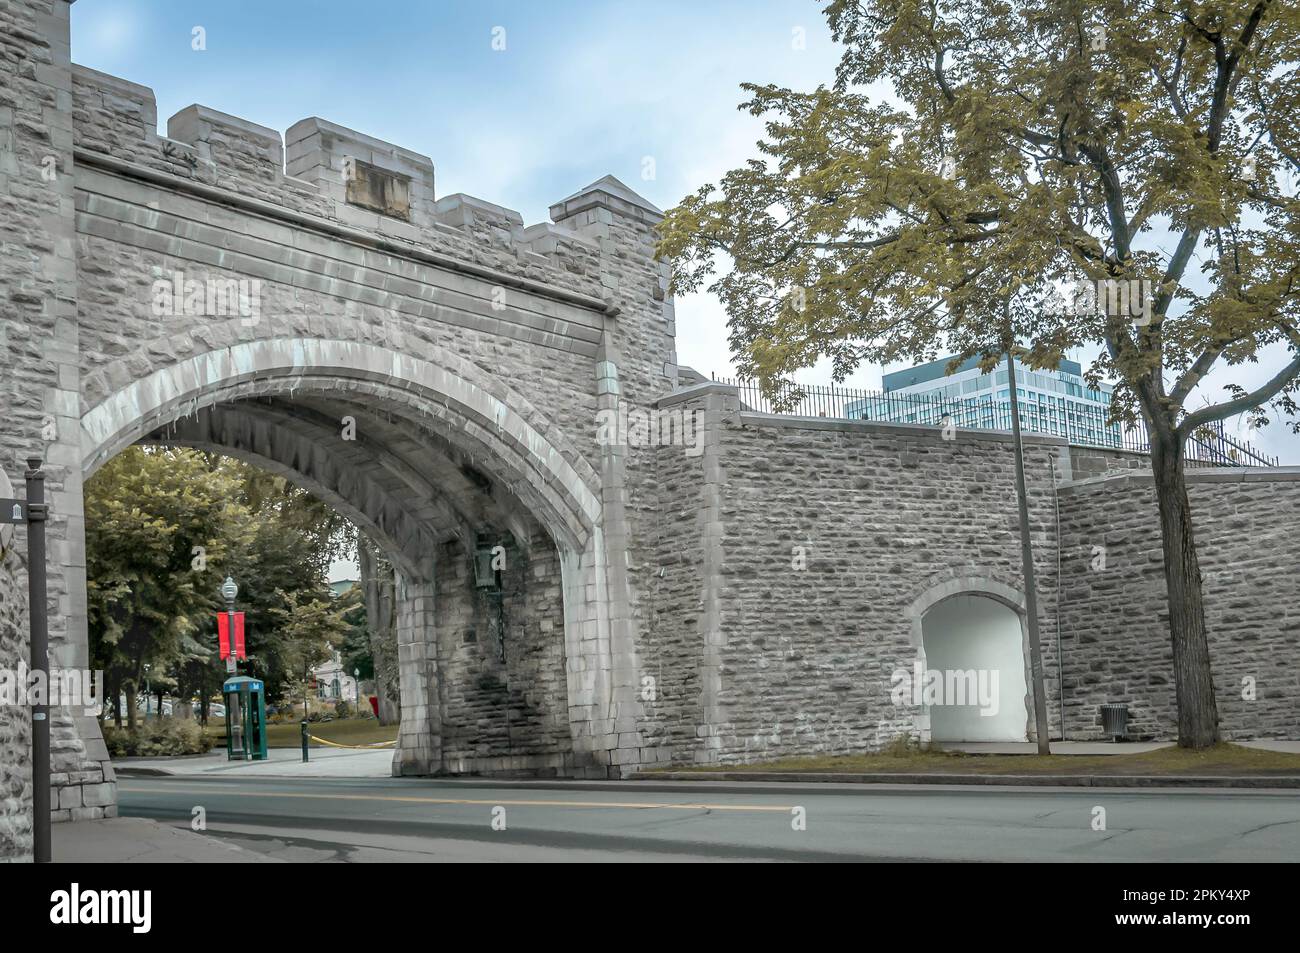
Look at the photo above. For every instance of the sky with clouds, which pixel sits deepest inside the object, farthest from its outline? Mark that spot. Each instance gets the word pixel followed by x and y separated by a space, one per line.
pixel 581 89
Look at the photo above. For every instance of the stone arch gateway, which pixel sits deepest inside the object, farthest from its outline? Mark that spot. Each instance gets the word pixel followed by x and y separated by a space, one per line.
pixel 443 374
pixel 428 365
pixel 270 401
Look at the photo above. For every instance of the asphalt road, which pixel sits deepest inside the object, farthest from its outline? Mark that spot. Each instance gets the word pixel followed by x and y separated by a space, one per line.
pixel 386 820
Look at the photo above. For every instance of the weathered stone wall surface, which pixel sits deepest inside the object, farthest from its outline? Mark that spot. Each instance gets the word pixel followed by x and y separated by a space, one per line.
pixel 539 317
pixel 15 719
pixel 1087 462
pixel 683 577
pixel 40 354
pixel 790 552
pixel 1115 620
pixel 502 715
pixel 793 554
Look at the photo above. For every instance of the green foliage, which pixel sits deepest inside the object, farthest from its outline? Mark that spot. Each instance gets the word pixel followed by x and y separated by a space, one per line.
pixel 160 525
pixel 356 650
pixel 157 737
pixel 163 529
pixel 973 155
pixel 309 628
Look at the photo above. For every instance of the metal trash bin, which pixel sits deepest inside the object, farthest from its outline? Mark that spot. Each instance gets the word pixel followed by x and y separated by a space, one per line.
pixel 1114 721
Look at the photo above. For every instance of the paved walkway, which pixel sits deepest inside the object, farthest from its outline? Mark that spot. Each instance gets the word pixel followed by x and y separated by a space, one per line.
pixel 378 762
pixel 280 763
pixel 137 840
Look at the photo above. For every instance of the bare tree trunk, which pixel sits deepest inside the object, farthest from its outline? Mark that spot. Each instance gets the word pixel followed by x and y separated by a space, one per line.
pixel 377 578
pixel 1198 713
pixel 130 706
pixel 116 695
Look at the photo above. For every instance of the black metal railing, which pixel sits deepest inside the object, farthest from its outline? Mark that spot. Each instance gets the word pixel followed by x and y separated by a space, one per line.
pixel 1081 425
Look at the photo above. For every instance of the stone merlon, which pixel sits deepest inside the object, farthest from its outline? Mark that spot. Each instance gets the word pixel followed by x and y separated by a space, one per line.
pixel 611 195
pixel 223 138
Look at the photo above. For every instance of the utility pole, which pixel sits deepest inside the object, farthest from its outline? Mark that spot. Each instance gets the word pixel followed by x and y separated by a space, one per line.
pixel 1027 563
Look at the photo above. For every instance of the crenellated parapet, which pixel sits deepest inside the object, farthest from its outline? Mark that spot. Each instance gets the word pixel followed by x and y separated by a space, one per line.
pixel 321 169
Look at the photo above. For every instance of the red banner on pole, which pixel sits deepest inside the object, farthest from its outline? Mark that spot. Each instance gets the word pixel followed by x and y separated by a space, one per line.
pixel 224 634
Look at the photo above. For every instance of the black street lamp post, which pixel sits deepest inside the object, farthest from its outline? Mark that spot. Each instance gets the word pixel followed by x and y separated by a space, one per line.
pixel 40 660
pixel 229 591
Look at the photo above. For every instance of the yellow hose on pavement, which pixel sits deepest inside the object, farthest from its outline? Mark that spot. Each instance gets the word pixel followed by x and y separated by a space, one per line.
pixel 335 744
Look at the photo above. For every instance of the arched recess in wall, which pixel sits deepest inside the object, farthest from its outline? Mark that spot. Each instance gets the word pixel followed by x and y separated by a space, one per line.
pixel 972 635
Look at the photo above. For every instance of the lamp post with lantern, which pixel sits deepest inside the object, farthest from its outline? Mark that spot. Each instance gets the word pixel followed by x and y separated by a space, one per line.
pixel 229 591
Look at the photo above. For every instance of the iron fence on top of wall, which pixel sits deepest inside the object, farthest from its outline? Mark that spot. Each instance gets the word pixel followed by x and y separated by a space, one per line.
pixel 1209 446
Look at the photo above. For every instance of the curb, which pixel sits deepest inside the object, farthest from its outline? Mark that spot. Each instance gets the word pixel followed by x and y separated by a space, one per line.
pixel 1011 780
pixel 673 780
pixel 127 771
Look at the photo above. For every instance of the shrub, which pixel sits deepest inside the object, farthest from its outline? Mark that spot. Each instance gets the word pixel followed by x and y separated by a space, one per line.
pixel 343 710
pixel 903 746
pixel 157 737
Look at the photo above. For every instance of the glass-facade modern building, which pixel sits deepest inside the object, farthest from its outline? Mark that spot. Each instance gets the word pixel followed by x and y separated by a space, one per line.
pixel 1053 402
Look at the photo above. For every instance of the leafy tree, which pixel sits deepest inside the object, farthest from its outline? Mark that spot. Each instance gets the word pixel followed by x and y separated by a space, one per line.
pixel 974 157
pixel 153 596
pixel 357 652
pixel 310 629
pixel 277 566
pixel 326 535
pixel 159 524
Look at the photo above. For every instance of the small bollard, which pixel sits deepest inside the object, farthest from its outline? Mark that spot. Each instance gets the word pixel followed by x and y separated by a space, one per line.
pixel 305 738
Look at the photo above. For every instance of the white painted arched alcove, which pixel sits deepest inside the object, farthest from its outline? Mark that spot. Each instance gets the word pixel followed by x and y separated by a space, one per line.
pixel 969 628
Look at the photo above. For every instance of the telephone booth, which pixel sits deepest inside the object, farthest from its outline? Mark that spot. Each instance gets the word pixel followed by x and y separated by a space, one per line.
pixel 245 700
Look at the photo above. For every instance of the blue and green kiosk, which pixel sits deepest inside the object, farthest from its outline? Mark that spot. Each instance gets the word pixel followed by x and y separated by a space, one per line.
pixel 245 700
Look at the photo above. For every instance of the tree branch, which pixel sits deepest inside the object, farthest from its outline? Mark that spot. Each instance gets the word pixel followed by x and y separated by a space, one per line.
pixel 1256 397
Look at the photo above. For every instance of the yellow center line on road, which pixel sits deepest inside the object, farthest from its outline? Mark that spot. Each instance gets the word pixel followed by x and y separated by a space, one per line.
pixel 627 805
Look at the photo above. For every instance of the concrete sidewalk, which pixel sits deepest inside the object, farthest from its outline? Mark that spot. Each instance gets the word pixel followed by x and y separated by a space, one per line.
pixel 280 763
pixel 135 840
pixel 1099 747
pixel 1058 747
pixel 377 763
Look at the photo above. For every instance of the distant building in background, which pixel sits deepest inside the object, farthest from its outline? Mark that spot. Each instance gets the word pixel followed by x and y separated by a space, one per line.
pixel 333 683
pixel 1055 402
